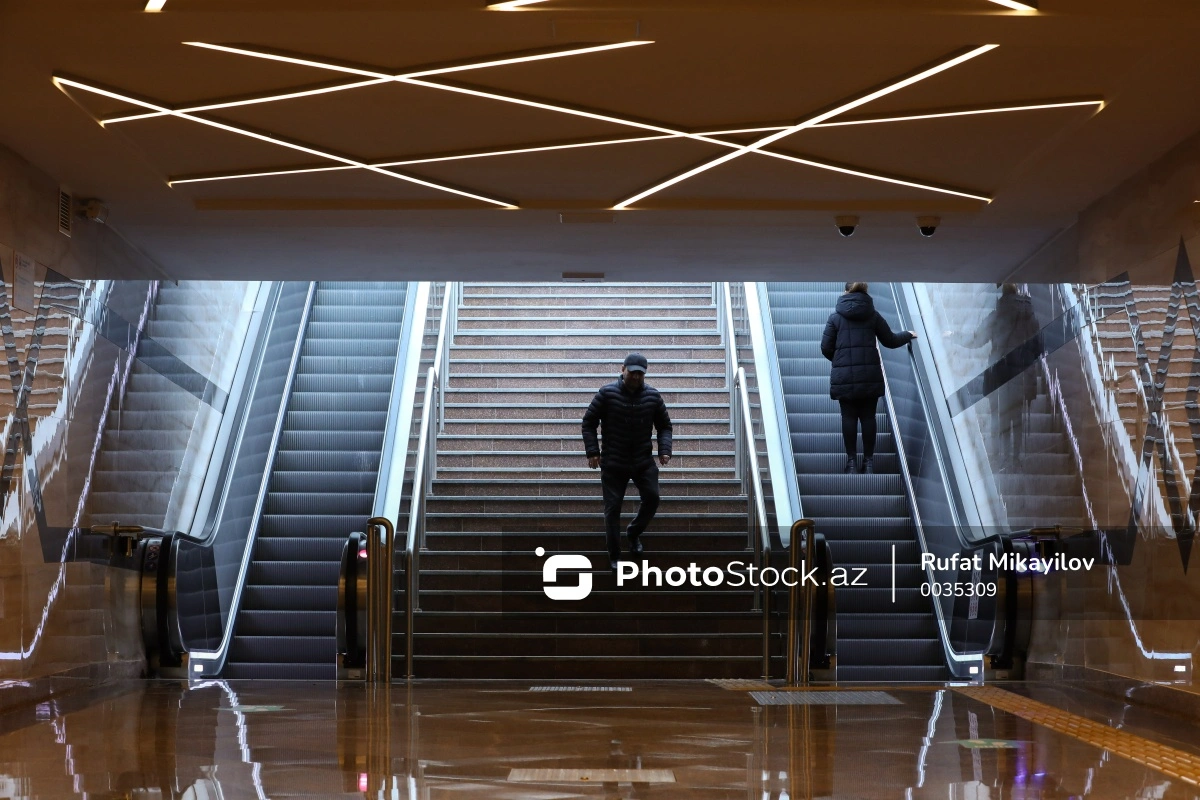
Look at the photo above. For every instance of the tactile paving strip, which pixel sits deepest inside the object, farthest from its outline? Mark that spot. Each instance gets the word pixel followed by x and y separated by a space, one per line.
pixel 591 775
pixel 739 684
pixel 581 688
pixel 1168 760
pixel 824 699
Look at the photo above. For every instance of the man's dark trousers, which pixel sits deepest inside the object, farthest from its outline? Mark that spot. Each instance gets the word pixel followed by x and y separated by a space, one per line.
pixel 615 481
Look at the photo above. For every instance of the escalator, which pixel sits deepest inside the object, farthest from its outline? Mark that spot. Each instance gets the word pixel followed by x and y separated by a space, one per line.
pixel 322 484
pixel 862 516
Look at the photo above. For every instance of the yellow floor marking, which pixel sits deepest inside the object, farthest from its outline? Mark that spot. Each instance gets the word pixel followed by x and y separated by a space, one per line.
pixel 1168 760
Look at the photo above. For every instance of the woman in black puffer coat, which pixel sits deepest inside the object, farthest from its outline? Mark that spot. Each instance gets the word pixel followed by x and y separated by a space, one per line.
pixel 856 380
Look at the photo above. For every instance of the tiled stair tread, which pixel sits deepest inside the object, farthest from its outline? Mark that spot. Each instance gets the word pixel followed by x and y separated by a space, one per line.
pixel 606 363
pixel 470 333
pixel 519 310
pixel 523 373
pixel 582 515
pixel 591 358
pixel 561 452
pixel 580 410
pixel 515 315
pixel 566 498
pixel 453 390
pixel 572 435
pixel 590 348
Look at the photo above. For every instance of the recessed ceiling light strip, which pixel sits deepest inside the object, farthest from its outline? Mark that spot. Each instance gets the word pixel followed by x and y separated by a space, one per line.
pixel 660 137
pixel 249 101
pixel 375 77
pixel 155 5
pixel 512 5
pixel 62 81
pixel 850 105
pixel 424 160
pixel 963 112
pixel 858 173
pixel 605 117
pixel 1018 5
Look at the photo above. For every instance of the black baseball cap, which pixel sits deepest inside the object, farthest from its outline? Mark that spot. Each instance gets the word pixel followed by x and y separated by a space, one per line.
pixel 635 362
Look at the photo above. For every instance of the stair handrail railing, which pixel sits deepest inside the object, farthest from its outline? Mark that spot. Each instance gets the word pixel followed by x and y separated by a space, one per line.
pixel 773 406
pixel 725 327
pixel 432 412
pixel 758 530
pixel 451 299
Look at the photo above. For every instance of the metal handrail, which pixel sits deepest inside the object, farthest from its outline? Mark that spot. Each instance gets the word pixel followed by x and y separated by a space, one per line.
pixel 727 329
pixel 389 483
pixel 432 413
pixel 416 518
pixel 756 503
pixel 974 661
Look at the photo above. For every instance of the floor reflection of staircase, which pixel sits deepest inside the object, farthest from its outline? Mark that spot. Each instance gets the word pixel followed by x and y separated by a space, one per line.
pixel 512 477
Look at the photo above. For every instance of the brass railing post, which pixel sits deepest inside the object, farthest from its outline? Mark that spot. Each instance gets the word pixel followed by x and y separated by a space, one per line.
pixel 799 653
pixel 380 571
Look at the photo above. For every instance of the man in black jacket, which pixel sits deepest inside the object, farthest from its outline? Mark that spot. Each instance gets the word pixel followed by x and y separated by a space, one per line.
pixel 627 409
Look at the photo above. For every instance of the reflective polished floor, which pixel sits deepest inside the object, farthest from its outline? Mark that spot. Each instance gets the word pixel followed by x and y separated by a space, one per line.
pixel 634 740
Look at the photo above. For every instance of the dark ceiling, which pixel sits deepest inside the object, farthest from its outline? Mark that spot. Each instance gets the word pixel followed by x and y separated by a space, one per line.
pixel 711 66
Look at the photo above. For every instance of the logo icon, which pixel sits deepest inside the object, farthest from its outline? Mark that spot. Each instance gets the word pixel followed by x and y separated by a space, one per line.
pixel 569 561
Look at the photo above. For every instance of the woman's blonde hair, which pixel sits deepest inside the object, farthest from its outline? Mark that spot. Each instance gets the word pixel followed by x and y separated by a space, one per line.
pixel 856 287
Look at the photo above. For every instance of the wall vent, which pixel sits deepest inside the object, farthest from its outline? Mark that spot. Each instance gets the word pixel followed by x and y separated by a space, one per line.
pixel 65 205
pixel 583 277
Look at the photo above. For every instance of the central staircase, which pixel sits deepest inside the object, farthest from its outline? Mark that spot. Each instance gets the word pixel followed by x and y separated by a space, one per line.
pixel 512 477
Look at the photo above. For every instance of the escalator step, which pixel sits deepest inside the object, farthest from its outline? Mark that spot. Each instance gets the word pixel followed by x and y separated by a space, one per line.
pixel 324 482
pixel 286 548
pixel 330 526
pixel 344 460
pixel 856 506
pixel 893 651
pixel 305 503
pixel 292 598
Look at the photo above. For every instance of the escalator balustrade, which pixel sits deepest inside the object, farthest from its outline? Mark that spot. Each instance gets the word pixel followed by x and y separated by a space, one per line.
pixel 862 516
pixel 322 486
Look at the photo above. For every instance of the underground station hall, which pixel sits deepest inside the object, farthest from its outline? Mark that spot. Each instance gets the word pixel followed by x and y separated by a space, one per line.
pixel 553 399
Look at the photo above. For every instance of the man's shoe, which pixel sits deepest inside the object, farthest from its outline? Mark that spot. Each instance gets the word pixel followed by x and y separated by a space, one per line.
pixel 868 466
pixel 851 465
pixel 613 561
pixel 635 545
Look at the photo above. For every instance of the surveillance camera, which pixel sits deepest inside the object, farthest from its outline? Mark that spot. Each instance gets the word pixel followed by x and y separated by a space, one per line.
pixel 94 209
pixel 928 225
pixel 846 225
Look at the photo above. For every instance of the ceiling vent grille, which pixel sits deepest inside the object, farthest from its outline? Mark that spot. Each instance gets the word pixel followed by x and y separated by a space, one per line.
pixel 65 205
